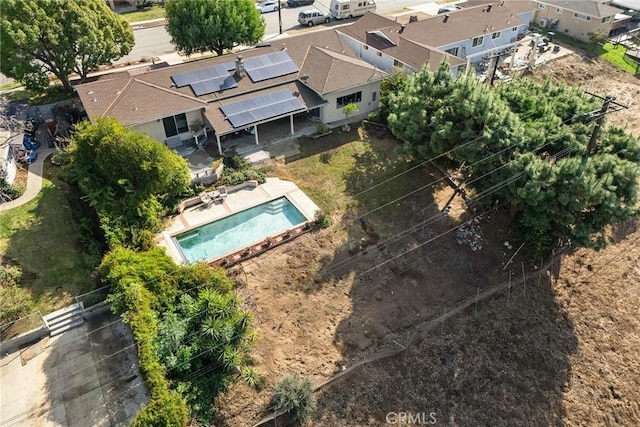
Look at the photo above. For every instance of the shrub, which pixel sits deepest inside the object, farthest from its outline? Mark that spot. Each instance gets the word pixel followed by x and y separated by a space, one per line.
pixel 322 219
pixel 14 300
pixel 236 163
pixel 321 128
pixel 294 395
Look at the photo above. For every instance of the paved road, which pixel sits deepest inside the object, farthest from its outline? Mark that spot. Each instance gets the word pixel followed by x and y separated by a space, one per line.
pixel 154 41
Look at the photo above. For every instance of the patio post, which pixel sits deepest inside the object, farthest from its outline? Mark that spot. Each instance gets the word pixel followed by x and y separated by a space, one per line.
pixel 219 146
pixel 255 132
pixel 291 121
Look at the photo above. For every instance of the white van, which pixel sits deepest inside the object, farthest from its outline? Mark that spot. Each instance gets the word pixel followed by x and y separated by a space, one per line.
pixel 341 9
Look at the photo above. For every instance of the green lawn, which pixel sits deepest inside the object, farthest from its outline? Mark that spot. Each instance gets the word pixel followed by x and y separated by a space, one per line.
pixel 616 56
pixel 153 12
pixel 44 240
pixel 335 171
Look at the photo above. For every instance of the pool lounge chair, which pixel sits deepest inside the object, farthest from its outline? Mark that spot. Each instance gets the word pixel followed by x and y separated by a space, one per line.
pixel 222 192
pixel 206 199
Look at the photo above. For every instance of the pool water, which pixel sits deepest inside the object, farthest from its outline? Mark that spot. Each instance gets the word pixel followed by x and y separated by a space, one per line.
pixel 238 231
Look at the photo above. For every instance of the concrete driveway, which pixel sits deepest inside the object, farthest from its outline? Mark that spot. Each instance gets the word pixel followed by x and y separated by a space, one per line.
pixel 84 377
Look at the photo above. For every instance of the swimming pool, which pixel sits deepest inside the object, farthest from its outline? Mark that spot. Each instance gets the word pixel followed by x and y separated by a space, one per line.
pixel 237 231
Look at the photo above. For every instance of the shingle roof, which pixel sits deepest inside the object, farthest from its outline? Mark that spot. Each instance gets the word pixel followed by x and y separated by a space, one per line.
pixel 329 71
pixel 462 24
pixel 587 7
pixel 153 94
pixel 403 48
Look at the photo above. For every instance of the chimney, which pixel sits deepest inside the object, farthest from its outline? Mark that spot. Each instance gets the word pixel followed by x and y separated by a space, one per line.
pixel 446 18
pixel 240 67
pixel 489 6
pixel 401 29
pixel 413 18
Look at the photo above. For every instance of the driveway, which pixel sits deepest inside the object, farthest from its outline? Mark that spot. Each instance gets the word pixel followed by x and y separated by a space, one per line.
pixel 87 376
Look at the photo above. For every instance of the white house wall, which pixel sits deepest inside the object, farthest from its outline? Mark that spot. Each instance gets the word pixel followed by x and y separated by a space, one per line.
pixel 155 129
pixel 330 113
pixel 507 36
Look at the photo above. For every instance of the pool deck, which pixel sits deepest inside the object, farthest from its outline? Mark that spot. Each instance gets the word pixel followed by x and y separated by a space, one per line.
pixel 236 201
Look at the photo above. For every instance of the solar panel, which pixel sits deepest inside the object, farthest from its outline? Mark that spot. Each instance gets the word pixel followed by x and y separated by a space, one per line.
pixel 184 79
pixel 262 107
pixel 270 65
pixel 213 85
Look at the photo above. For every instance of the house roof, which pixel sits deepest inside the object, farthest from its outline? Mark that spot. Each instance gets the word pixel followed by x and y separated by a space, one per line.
pixel 153 94
pixel 515 6
pixel 326 71
pixel 464 24
pixel 386 35
pixel 586 7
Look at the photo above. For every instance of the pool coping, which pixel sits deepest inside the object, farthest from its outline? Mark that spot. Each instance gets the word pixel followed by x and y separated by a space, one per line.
pixel 240 198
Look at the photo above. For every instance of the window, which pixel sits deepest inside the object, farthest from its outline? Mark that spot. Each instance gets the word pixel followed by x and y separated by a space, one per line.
pixel 566 31
pixel 581 16
pixel 514 29
pixel 175 125
pixel 453 51
pixel 379 53
pixel 541 6
pixel 341 101
pixel 496 35
pixel 345 7
pixel 477 41
pixel 559 10
pixel 365 47
pixel 397 64
pixel 606 19
pixel 374 96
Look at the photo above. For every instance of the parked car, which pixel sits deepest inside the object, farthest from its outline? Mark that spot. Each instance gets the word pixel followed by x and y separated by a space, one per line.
pixel 268 6
pixel 312 17
pixel 448 9
pixel 298 3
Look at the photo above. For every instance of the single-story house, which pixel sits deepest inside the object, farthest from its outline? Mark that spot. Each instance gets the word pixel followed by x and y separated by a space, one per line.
pixel 314 73
pixel 576 19
pixel 459 37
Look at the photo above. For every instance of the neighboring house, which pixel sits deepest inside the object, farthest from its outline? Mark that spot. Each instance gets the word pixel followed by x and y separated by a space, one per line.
pixel 459 37
pixel 314 73
pixel 576 19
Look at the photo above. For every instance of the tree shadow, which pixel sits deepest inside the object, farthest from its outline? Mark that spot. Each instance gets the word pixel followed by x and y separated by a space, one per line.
pixel 504 362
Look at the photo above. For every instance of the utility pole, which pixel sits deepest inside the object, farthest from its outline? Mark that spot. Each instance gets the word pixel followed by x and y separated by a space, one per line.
pixel 497 57
pixel 609 105
pixel 280 16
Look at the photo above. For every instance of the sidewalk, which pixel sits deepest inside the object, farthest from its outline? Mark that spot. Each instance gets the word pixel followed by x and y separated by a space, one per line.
pixel 34 181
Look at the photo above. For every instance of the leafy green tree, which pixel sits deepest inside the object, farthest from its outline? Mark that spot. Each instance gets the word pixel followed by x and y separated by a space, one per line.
pixel 46 37
pixel 130 179
pixel 213 25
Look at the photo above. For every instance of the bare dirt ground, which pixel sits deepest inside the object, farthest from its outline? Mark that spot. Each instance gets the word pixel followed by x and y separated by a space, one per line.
pixel 560 350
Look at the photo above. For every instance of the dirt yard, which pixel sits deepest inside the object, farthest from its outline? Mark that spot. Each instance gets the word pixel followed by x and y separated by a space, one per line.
pixel 560 349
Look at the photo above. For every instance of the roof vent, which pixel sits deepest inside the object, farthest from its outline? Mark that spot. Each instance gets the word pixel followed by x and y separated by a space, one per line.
pixel 401 29
pixel 413 18
pixel 502 3
pixel 489 6
pixel 284 46
pixel 446 18
pixel 240 72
